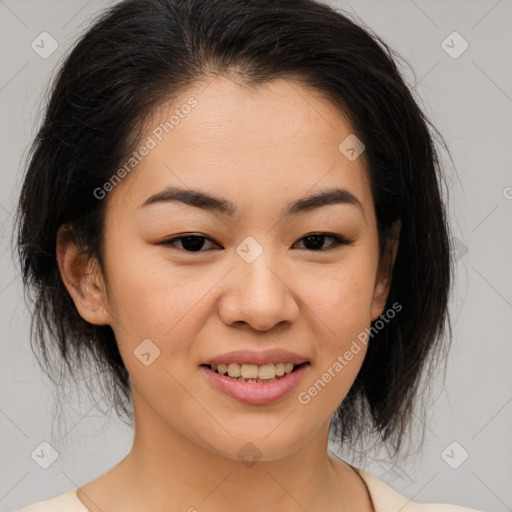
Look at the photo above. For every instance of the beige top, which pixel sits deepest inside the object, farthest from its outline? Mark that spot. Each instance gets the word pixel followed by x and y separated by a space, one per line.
pixel 384 498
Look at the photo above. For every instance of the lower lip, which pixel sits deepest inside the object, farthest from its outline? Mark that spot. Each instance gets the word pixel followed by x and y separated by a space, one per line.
pixel 256 393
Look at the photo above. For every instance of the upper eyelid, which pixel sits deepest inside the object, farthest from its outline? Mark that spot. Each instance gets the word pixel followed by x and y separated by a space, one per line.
pixel 199 235
pixel 339 239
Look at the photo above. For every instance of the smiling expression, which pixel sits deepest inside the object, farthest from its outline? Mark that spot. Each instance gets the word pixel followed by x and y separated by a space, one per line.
pixel 247 230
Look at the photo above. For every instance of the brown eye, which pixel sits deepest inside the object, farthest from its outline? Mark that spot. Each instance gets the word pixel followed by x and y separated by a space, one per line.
pixel 315 241
pixel 189 243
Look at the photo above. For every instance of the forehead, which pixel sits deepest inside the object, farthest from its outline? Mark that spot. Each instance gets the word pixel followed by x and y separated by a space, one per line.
pixel 255 145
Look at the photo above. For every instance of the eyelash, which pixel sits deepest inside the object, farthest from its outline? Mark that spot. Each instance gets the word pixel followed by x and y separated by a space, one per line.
pixel 338 240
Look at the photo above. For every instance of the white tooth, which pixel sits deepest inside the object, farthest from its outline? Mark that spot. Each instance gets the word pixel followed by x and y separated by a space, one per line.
pixel 279 369
pixel 267 371
pixel 249 371
pixel 288 367
pixel 234 370
pixel 222 368
pixel 214 367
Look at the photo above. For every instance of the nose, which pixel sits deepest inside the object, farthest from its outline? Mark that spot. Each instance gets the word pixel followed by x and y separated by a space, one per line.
pixel 258 294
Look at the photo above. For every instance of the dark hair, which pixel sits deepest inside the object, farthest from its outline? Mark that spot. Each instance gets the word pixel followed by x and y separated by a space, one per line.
pixel 142 53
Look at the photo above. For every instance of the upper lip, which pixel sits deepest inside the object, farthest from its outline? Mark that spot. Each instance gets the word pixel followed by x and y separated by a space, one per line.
pixel 258 357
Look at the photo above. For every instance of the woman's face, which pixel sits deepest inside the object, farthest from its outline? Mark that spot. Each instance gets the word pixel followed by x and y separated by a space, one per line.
pixel 254 284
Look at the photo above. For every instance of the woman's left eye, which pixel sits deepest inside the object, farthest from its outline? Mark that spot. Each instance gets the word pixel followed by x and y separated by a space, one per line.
pixel 313 241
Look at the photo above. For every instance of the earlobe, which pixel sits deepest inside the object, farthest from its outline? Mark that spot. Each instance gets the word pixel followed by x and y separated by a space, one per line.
pixel 82 278
pixel 384 275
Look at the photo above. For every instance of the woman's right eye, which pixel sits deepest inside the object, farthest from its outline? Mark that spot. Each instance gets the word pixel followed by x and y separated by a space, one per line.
pixel 189 243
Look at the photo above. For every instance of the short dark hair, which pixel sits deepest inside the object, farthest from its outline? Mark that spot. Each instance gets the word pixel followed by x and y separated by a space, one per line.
pixel 141 53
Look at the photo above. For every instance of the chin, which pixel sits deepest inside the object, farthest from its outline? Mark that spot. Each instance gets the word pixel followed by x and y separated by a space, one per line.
pixel 257 446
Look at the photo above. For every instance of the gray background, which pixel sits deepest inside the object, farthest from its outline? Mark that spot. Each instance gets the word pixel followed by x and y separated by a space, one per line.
pixel 469 99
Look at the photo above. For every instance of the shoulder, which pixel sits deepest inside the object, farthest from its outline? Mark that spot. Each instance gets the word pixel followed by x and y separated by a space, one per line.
pixel 67 502
pixel 386 499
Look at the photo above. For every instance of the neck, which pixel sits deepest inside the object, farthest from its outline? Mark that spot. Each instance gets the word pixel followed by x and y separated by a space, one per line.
pixel 167 470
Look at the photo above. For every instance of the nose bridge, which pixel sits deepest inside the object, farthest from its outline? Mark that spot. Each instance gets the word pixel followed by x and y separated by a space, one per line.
pixel 258 294
pixel 256 262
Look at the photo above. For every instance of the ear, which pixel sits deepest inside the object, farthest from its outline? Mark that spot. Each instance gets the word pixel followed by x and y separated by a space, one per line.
pixel 83 278
pixel 385 271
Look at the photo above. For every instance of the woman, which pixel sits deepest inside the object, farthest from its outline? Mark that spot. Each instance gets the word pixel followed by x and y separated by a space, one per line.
pixel 235 208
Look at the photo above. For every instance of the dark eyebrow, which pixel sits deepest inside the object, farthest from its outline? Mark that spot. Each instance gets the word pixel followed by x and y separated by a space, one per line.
pixel 211 203
pixel 323 198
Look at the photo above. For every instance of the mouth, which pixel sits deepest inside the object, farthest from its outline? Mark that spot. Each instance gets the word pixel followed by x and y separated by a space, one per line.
pixel 253 384
pixel 254 373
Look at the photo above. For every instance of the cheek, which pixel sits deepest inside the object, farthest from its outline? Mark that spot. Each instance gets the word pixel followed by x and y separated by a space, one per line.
pixel 342 298
pixel 341 345
pixel 150 301
pixel 341 311
pixel 149 296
